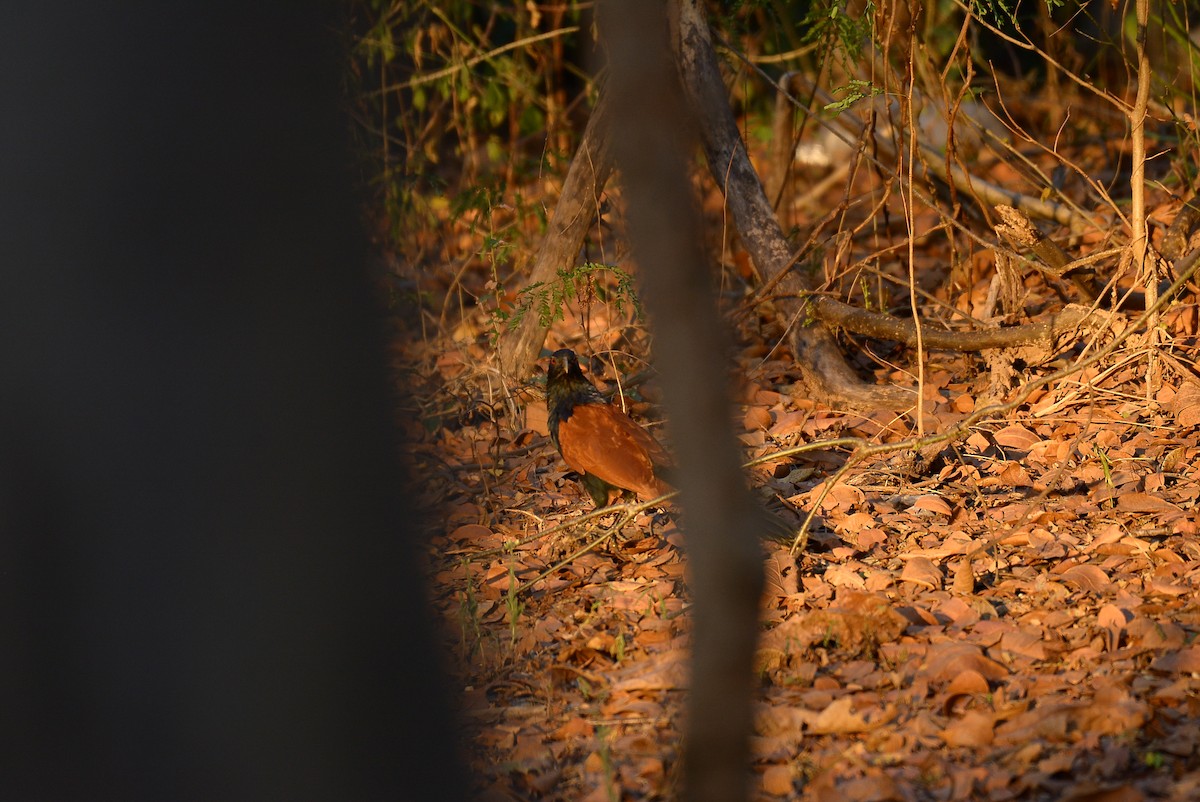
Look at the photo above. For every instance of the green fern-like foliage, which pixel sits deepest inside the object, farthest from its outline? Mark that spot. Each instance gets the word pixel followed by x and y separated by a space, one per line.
pixel 546 298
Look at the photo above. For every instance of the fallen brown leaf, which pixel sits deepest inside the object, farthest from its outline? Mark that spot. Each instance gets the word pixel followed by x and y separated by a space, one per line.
pixel 973 729
pixel 1185 406
pixel 921 571
pixel 1088 577
pixel 777 780
pixel 1183 661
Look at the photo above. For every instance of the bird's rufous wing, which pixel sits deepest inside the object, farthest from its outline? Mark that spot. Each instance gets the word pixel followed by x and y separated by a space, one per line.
pixel 602 440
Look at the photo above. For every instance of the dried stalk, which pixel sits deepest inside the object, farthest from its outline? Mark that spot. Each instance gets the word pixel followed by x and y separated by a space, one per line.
pixel 1143 261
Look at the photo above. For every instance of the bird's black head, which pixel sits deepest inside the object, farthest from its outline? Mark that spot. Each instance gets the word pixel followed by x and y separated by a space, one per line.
pixel 566 387
pixel 564 365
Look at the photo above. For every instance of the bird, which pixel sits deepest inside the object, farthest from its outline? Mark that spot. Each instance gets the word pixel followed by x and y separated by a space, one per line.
pixel 611 453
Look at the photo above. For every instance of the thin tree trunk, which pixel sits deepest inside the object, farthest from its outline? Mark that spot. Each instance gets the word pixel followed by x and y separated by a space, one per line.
pixel 1144 260
pixel 573 215
pixel 825 370
pixel 720 519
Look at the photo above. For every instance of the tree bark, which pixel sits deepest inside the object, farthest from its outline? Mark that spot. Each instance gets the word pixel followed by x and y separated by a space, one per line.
pixel 721 520
pixel 827 375
pixel 888 327
pixel 573 215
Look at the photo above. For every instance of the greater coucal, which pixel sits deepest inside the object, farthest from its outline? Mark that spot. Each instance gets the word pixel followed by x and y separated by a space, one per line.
pixel 608 450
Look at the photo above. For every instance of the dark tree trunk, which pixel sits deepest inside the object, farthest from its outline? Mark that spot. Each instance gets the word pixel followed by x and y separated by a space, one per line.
pixel 211 584
pixel 826 373
pixel 824 368
pixel 651 143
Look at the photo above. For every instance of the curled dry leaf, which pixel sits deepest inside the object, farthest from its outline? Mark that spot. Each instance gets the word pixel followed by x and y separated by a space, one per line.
pixel 1183 661
pixel 780 573
pixel 789 423
pixel 1022 642
pixel 1113 617
pixel 782 721
pixel 875 787
pixel 968 683
pixel 1159 587
pixel 945 661
pixel 1144 502
pixel 756 418
pixel 777 780
pixel 841 497
pixel 1048 722
pixel 663 672
pixel 1087 577
pixel 854 523
pixel 974 728
pixel 957 612
pixel 1146 634
pixel 839 716
pixel 1185 406
pixel 964 578
pixel 471 533
pixel 1017 437
pixel 932 504
pixel 921 571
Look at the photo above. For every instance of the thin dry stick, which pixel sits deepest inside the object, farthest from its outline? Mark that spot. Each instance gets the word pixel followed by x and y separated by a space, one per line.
pixel 1025 44
pixel 1187 268
pixel 629 510
pixel 1009 122
pixel 910 221
pixel 471 62
pixel 843 134
pixel 987 193
pixel 1144 263
pixel 608 535
pixel 1089 385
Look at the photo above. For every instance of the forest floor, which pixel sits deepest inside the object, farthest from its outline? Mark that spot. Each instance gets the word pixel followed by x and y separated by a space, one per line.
pixel 1015 622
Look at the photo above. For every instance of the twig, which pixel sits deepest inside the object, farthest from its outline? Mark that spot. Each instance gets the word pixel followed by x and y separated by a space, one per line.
pixel 1010 122
pixel 1090 384
pixel 884 326
pixel 907 200
pixel 631 510
pixel 1144 261
pixel 1042 54
pixel 1186 268
pixel 471 62
pixel 849 131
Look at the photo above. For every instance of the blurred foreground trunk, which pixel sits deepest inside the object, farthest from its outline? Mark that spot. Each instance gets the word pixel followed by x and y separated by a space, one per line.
pixel 211 585
pixel 652 137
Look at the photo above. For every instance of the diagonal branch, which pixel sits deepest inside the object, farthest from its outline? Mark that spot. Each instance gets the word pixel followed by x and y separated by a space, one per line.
pixel 826 373
pixel 573 214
